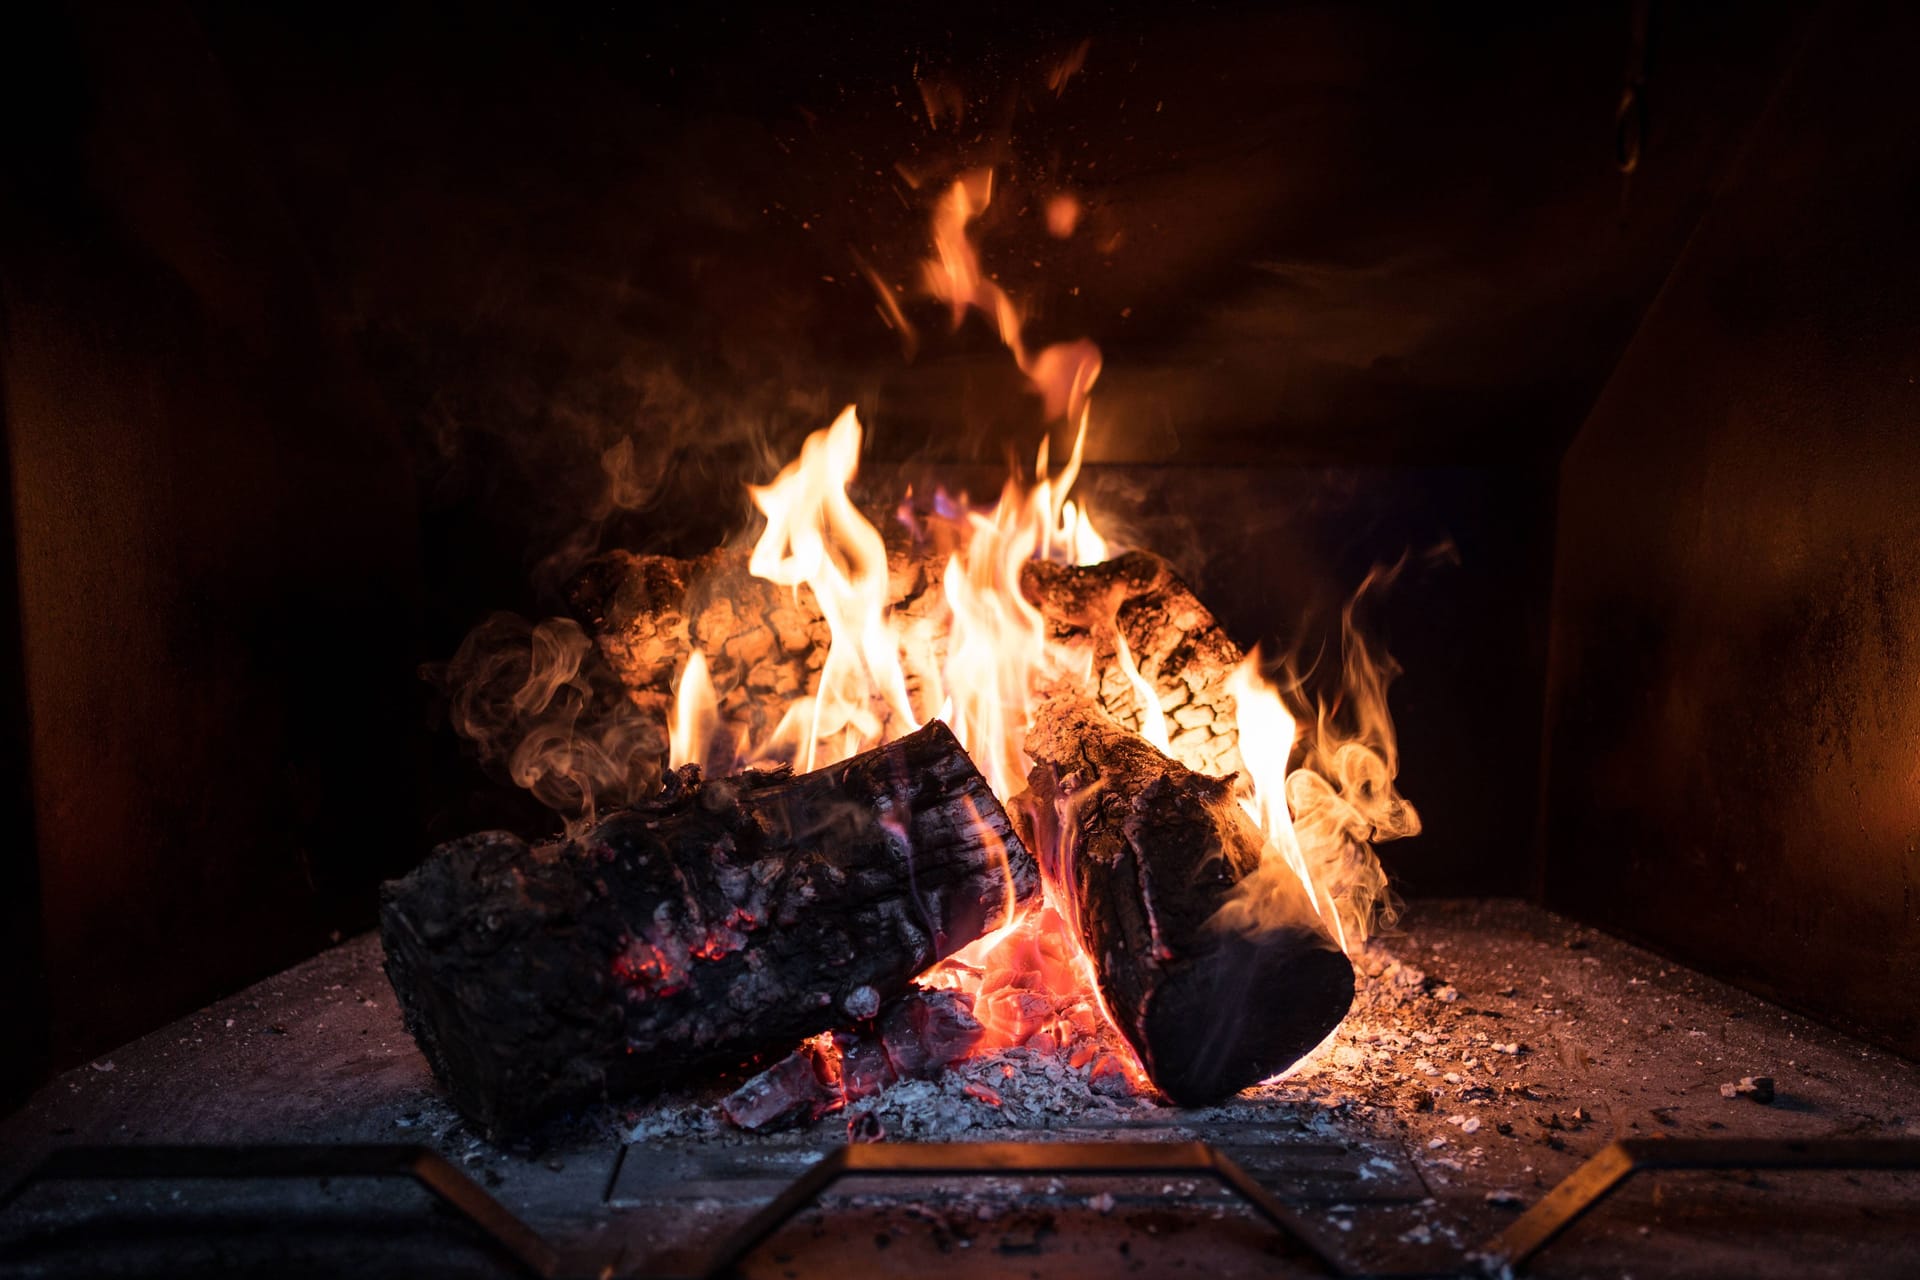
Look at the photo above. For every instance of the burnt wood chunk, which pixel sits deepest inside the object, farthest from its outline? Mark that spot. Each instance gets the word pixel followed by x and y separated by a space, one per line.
pixel 797 1090
pixel 914 1038
pixel 1150 850
pixel 765 644
pixel 1178 648
pixel 720 923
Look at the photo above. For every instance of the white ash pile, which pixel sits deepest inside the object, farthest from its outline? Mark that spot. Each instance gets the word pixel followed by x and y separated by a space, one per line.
pixel 917 1072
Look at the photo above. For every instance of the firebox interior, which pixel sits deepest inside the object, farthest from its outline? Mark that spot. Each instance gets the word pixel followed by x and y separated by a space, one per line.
pixel 327 330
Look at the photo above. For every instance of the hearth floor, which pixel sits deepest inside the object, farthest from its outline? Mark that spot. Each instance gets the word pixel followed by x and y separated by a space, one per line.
pixel 1493 1048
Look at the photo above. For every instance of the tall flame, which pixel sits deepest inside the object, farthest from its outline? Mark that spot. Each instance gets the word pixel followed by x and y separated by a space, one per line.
pixel 991 661
pixel 816 537
pixel 1323 818
pixel 696 714
pixel 1153 721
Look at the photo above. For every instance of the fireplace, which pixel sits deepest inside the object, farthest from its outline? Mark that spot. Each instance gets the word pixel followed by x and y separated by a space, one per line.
pixel 1276 641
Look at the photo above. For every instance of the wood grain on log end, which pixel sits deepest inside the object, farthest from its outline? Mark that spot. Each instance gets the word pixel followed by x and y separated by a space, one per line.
pixel 1177 646
pixel 1248 1007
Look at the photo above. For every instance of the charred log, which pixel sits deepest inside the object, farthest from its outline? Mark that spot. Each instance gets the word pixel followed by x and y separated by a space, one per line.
pixel 721 922
pixel 1151 850
pixel 764 645
pixel 1176 645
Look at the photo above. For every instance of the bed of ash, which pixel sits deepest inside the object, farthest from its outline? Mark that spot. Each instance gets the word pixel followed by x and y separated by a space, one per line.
pixel 1491 1049
pixel 1078 1080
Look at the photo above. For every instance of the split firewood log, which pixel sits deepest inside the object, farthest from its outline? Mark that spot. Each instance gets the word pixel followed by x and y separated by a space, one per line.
pixel 1150 851
pixel 720 923
pixel 764 644
pixel 1175 643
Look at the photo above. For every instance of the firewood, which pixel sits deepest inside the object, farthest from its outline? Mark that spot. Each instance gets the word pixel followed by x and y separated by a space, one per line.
pixel 1176 645
pixel 797 1090
pixel 1149 851
pixel 722 922
pixel 764 644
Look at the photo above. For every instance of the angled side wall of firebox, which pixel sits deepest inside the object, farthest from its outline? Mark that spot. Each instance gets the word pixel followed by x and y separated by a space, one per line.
pixel 1734 710
pixel 213 698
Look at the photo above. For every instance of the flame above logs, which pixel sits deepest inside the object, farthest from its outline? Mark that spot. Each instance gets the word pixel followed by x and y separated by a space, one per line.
pixel 1200 889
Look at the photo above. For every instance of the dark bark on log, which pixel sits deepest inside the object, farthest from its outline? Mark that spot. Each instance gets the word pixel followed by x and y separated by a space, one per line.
pixel 1151 851
pixel 720 923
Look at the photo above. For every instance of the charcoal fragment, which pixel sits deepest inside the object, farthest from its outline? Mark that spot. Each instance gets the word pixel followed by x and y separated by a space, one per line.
pixel 796 1090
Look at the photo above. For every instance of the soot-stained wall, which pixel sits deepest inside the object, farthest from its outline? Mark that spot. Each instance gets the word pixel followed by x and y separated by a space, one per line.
pixel 1734 714
pixel 214 552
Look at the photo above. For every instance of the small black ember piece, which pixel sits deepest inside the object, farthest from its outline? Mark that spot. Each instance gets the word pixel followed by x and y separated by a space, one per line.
pixel 721 922
pixel 915 1039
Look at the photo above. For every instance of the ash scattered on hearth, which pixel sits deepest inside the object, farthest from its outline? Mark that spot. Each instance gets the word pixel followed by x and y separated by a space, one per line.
pixel 1391 1054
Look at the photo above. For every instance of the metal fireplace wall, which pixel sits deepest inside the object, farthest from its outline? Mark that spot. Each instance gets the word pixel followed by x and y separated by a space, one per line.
pixel 1734 731
pixel 320 320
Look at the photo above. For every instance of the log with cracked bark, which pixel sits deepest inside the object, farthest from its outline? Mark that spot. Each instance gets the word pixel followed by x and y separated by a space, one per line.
pixel 764 644
pixel 1176 645
pixel 719 923
pixel 1151 851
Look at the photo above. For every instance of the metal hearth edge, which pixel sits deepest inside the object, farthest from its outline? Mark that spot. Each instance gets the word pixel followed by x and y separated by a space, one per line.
pixel 431 1170
pixel 1584 1188
pixel 1533 1231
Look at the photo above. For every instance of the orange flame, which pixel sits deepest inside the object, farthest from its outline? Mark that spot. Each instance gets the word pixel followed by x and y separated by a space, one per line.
pixel 696 714
pixel 1063 215
pixel 1153 721
pixel 1064 373
pixel 1323 818
pixel 816 537
pixel 992 661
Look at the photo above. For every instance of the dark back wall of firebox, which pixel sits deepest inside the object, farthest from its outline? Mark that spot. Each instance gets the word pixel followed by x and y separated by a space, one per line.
pixel 1734 736
pixel 321 322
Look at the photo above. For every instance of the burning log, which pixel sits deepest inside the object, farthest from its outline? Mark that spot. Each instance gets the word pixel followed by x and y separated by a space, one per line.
pixel 764 644
pixel 1150 851
pixel 720 922
pixel 1176 646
